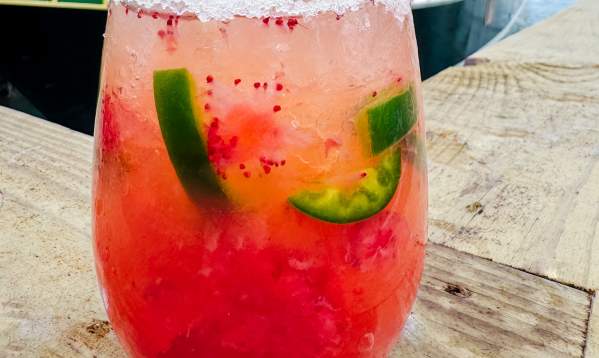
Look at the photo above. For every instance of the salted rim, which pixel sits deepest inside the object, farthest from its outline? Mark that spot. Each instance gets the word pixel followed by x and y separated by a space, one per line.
pixel 222 10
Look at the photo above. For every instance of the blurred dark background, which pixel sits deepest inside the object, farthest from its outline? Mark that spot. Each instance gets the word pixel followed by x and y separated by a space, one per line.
pixel 50 58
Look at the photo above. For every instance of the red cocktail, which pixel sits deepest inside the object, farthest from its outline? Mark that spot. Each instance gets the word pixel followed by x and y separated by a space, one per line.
pixel 260 182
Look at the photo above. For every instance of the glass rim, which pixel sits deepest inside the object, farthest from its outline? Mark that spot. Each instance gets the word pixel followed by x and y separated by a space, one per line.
pixel 226 10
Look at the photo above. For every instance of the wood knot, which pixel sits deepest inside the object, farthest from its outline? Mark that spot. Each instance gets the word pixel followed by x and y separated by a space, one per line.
pixel 458 291
pixel 476 208
pixel 99 328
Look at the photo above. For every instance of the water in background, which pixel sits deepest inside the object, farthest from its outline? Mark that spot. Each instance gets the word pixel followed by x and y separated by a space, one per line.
pixel 538 10
pixel 447 34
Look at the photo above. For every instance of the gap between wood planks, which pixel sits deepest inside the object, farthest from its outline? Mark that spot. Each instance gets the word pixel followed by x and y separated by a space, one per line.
pixel 481 61
pixel 464 292
pixel 587 331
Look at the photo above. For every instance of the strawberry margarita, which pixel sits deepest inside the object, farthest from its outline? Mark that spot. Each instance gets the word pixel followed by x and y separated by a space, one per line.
pixel 260 178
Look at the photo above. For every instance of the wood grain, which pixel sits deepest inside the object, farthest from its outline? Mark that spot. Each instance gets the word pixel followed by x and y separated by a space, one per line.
pixel 592 347
pixel 520 141
pixel 467 306
pixel 471 307
pixel 570 37
pixel 45 248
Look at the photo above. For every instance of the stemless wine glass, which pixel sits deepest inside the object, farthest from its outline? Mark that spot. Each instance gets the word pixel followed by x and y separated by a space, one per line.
pixel 260 177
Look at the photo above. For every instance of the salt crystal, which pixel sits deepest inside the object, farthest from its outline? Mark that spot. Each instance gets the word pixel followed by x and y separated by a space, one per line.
pixel 223 10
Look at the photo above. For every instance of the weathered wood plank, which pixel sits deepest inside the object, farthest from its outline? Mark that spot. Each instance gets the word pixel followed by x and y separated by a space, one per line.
pixel 467 307
pixel 514 161
pixel 51 295
pixel 570 37
pixel 471 307
pixel 592 348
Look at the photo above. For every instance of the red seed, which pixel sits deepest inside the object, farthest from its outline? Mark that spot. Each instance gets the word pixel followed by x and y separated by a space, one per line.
pixel 219 151
pixel 237 81
pixel 266 20
pixel 169 22
pixel 126 10
pixel 224 176
pixel 270 162
pixel 279 87
pixel 399 79
pixel 291 23
pixel 266 169
pixel 161 33
pixel 209 79
pixel 283 162
pixel 276 108
pixel 265 85
pixel 207 106
pixel 374 94
pixel 262 159
pixel 155 15
pixel 242 166
pixel 209 92
pixel 339 17
pixel 139 14
pixel 256 85
pixel 279 21
pixel 364 174
pixel 247 174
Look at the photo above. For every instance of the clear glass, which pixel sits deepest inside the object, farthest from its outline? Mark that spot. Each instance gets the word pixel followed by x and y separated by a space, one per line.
pixel 260 183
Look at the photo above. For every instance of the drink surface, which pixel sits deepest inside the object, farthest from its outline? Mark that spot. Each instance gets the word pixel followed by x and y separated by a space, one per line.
pixel 260 185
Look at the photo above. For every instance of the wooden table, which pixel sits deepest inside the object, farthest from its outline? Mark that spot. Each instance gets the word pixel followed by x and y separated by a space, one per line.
pixel 514 220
